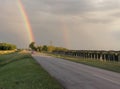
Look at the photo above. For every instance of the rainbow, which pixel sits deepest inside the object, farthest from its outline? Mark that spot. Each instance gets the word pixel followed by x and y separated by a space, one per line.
pixel 28 27
pixel 65 31
pixel 26 21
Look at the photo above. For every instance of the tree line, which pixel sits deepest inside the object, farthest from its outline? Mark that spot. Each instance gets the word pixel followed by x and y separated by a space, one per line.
pixel 45 48
pixel 7 46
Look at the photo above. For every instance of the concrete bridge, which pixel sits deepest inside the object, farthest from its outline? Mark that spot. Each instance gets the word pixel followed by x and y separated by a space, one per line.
pixel 93 54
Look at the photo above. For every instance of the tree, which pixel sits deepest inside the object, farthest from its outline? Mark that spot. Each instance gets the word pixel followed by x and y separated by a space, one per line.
pixel 39 48
pixel 32 46
pixel 45 48
pixel 6 46
pixel 51 48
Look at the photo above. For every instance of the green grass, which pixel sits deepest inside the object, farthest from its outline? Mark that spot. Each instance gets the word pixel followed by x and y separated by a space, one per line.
pixel 20 71
pixel 107 65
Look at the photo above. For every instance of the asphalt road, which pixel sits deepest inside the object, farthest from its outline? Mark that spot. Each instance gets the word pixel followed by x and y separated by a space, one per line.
pixel 78 76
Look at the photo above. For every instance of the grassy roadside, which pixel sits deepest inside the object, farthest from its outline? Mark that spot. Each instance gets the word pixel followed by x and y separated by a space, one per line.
pixel 6 52
pixel 20 71
pixel 107 65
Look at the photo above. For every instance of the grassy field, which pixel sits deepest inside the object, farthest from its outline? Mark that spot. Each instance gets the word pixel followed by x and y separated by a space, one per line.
pixel 19 71
pixel 107 65
pixel 6 52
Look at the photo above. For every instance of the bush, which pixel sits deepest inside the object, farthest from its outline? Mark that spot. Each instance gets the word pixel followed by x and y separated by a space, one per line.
pixel 6 46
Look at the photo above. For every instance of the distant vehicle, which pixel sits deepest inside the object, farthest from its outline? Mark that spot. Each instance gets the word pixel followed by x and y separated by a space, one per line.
pixel 32 52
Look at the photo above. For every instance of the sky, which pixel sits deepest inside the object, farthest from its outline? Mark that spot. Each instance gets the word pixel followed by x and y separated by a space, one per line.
pixel 74 24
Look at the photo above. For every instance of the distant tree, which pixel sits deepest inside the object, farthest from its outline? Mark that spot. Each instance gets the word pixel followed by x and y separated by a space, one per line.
pixel 60 49
pixel 7 46
pixel 39 48
pixel 32 46
pixel 45 48
pixel 51 48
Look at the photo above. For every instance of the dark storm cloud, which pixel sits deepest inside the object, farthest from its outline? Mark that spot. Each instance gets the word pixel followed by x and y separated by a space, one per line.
pixel 60 6
pixel 71 6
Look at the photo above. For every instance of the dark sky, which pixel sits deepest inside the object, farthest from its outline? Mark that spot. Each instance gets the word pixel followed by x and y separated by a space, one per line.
pixel 75 24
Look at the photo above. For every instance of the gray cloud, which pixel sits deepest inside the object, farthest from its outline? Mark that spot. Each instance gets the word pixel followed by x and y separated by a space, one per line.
pixel 98 20
pixel 75 24
pixel 71 6
pixel 117 14
pixel 75 8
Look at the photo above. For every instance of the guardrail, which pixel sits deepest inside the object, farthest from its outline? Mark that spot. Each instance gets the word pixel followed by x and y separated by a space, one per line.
pixel 92 54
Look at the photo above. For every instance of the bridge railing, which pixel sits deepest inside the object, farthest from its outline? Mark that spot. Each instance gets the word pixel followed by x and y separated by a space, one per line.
pixel 89 54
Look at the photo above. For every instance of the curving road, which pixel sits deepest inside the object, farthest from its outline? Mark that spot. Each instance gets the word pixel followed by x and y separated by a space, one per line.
pixel 78 76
